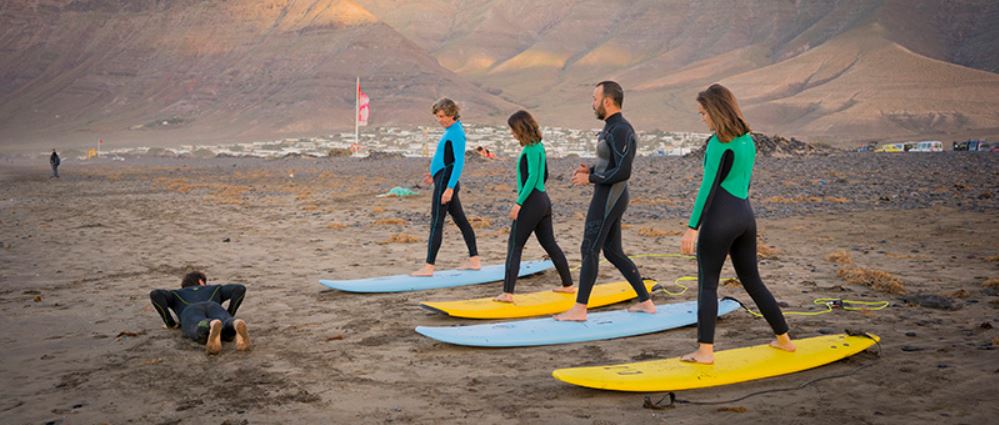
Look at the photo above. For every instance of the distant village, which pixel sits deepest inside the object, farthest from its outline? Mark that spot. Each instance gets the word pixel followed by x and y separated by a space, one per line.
pixel 496 140
pixel 421 141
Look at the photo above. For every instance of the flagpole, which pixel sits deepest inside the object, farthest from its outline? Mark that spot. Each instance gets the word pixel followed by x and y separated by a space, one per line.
pixel 357 112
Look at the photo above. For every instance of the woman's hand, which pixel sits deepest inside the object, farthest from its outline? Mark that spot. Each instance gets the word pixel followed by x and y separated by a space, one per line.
pixel 689 242
pixel 446 196
pixel 427 179
pixel 514 212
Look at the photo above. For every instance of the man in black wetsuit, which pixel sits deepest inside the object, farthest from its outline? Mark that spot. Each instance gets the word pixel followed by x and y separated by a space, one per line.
pixel 199 309
pixel 616 148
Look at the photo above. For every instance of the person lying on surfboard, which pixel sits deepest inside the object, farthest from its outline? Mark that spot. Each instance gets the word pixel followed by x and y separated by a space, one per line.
pixel 199 309
pixel 445 170
pixel 722 222
pixel 532 211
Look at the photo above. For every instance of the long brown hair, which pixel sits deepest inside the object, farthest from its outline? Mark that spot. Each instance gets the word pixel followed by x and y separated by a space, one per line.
pixel 524 127
pixel 722 108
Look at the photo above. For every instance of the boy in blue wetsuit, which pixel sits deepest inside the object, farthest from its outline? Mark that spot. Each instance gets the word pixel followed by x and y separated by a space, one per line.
pixel 199 309
pixel 445 170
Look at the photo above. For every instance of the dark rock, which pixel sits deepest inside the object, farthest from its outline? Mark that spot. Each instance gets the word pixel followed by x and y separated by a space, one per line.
pixel 931 301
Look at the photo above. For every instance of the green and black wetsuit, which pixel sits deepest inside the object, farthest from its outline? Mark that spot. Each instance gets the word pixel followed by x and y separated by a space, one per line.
pixel 602 231
pixel 535 216
pixel 728 227
pixel 197 306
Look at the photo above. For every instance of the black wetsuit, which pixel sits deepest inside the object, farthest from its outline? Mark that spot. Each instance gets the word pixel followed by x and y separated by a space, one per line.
pixel 197 306
pixel 535 216
pixel 615 153
pixel 728 228
pixel 442 178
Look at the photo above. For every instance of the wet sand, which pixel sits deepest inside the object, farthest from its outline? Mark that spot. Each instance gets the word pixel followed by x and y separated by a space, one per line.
pixel 82 344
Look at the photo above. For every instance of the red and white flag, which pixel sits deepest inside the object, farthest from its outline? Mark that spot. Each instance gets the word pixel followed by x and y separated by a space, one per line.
pixel 363 108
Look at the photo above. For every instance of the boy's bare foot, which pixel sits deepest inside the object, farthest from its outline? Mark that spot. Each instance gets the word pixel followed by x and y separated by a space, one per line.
pixel 504 298
pixel 565 289
pixel 242 336
pixel 576 314
pixel 214 344
pixel 783 342
pixel 473 263
pixel 426 271
pixel 705 354
pixel 646 306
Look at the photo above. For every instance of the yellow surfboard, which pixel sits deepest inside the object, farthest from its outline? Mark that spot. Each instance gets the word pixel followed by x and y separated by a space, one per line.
pixel 534 303
pixel 731 366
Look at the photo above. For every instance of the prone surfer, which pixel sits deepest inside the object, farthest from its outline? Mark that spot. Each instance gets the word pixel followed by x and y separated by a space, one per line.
pixel 199 309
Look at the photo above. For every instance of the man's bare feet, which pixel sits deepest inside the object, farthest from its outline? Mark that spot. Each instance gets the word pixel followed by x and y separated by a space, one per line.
pixel 426 271
pixel 242 336
pixel 783 342
pixel 565 289
pixel 505 297
pixel 646 306
pixel 705 354
pixel 576 314
pixel 214 344
pixel 473 263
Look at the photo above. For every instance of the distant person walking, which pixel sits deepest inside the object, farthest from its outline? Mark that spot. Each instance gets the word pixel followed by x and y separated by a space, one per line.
pixel 54 161
pixel 722 222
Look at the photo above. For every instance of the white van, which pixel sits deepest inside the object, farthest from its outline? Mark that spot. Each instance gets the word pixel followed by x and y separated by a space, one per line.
pixel 928 146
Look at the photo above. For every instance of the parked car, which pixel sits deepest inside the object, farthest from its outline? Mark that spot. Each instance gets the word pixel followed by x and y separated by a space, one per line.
pixel 928 146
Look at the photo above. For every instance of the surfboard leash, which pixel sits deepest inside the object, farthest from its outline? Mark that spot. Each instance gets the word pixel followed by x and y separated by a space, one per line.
pixel 662 403
pixel 830 304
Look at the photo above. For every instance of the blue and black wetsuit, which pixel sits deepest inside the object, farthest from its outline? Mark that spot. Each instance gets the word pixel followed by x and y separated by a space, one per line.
pixel 446 167
pixel 535 216
pixel 602 231
pixel 197 306
pixel 728 227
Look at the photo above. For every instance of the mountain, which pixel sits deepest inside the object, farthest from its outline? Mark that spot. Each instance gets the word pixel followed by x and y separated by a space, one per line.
pixel 837 72
pixel 186 71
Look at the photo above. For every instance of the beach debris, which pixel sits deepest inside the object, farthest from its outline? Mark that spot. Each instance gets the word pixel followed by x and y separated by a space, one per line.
pixel 38 298
pixel 151 362
pixel 878 280
pixel 227 240
pixel 840 257
pixel 399 192
pixel 401 238
pixel 335 337
pixel 733 409
pixel 931 301
pixel 129 334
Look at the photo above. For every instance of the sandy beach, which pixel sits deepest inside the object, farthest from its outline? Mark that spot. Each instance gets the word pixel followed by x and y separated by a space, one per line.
pixel 83 345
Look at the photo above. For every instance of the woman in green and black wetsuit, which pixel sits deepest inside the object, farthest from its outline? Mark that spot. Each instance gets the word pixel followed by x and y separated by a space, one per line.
pixel 726 222
pixel 533 211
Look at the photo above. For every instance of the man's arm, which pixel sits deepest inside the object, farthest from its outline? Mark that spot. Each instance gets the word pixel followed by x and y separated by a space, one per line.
pixel 233 292
pixel 162 299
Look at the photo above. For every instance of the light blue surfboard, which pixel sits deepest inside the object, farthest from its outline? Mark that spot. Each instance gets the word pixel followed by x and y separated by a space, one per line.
pixel 441 279
pixel 598 326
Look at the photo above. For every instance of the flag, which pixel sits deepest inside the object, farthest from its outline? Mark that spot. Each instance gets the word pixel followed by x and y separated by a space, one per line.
pixel 363 108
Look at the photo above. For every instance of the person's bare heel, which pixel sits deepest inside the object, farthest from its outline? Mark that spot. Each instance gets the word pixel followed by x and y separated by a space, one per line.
pixel 214 344
pixel 783 342
pixel 565 289
pixel 426 271
pixel 643 307
pixel 242 335
pixel 576 314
